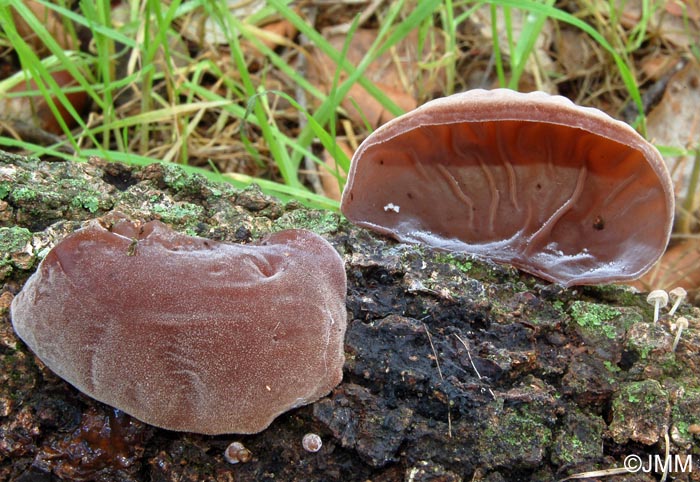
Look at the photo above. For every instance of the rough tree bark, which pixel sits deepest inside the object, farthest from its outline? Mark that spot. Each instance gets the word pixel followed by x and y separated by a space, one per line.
pixel 456 368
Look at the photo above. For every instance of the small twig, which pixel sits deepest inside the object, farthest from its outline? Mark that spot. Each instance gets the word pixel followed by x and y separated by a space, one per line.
pixel 621 470
pixel 667 454
pixel 25 131
pixel 430 340
pixel 437 362
pixel 596 473
pixel 478 375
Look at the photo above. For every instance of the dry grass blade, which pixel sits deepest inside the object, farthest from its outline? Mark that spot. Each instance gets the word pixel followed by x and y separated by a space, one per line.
pixel 596 473
pixel 437 362
pixel 478 375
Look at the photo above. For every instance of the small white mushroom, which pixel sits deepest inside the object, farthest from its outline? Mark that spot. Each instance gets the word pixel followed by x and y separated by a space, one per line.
pixel 311 442
pixel 658 298
pixel 681 324
pixel 237 453
pixel 678 295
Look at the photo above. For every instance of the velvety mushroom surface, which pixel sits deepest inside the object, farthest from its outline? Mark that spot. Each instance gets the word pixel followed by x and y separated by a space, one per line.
pixel 187 333
pixel 561 191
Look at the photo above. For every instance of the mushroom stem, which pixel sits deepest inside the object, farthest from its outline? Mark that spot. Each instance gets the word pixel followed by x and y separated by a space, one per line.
pixel 656 311
pixel 679 294
pixel 681 325
pixel 658 298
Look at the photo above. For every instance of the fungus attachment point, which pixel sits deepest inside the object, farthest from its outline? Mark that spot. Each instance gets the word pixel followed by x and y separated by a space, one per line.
pixel 678 295
pixel 187 333
pixel 527 179
pixel 681 324
pixel 658 298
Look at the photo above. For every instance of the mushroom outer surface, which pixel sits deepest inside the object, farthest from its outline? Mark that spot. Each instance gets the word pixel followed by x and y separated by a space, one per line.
pixel 187 333
pixel 561 191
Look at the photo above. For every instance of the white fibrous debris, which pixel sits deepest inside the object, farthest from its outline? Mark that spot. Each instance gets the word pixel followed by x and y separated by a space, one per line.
pixel 392 207
pixel 311 442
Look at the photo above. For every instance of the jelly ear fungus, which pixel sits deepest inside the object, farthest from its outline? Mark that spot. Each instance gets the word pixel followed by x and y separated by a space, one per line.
pixel 561 191
pixel 187 333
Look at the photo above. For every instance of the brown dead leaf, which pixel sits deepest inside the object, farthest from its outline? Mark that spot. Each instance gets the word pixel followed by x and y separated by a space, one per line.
pixel 363 108
pixel 398 73
pixel 679 8
pixel 576 52
pixel 53 24
pixel 677 22
pixel 679 266
pixel 658 64
pixel 329 182
pixel 201 29
pixel 272 35
pixel 282 29
pixel 539 64
pixel 34 110
pixel 675 121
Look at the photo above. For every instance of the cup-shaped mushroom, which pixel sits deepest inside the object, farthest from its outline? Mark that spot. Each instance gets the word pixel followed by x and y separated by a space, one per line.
pixel 561 191
pixel 187 333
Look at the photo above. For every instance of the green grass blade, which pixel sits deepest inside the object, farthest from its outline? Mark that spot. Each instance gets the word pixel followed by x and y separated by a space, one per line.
pixel 498 58
pixel 624 69
pixel 270 132
pixel 28 57
pixel 531 29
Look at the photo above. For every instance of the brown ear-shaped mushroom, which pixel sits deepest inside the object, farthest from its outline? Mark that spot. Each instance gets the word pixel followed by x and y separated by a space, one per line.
pixel 187 333
pixel 561 191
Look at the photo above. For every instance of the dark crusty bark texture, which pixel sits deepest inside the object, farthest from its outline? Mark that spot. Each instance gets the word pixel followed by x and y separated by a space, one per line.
pixel 456 369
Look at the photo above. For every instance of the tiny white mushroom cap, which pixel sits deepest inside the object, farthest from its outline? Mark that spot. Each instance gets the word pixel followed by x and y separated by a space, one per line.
pixel 681 324
pixel 311 442
pixel 678 294
pixel 658 298
pixel 236 453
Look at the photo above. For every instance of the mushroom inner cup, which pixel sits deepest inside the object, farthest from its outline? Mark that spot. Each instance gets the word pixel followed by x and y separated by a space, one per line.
pixel 557 201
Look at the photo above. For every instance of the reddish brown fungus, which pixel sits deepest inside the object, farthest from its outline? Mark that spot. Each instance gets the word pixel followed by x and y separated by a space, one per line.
pixel 561 191
pixel 187 333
